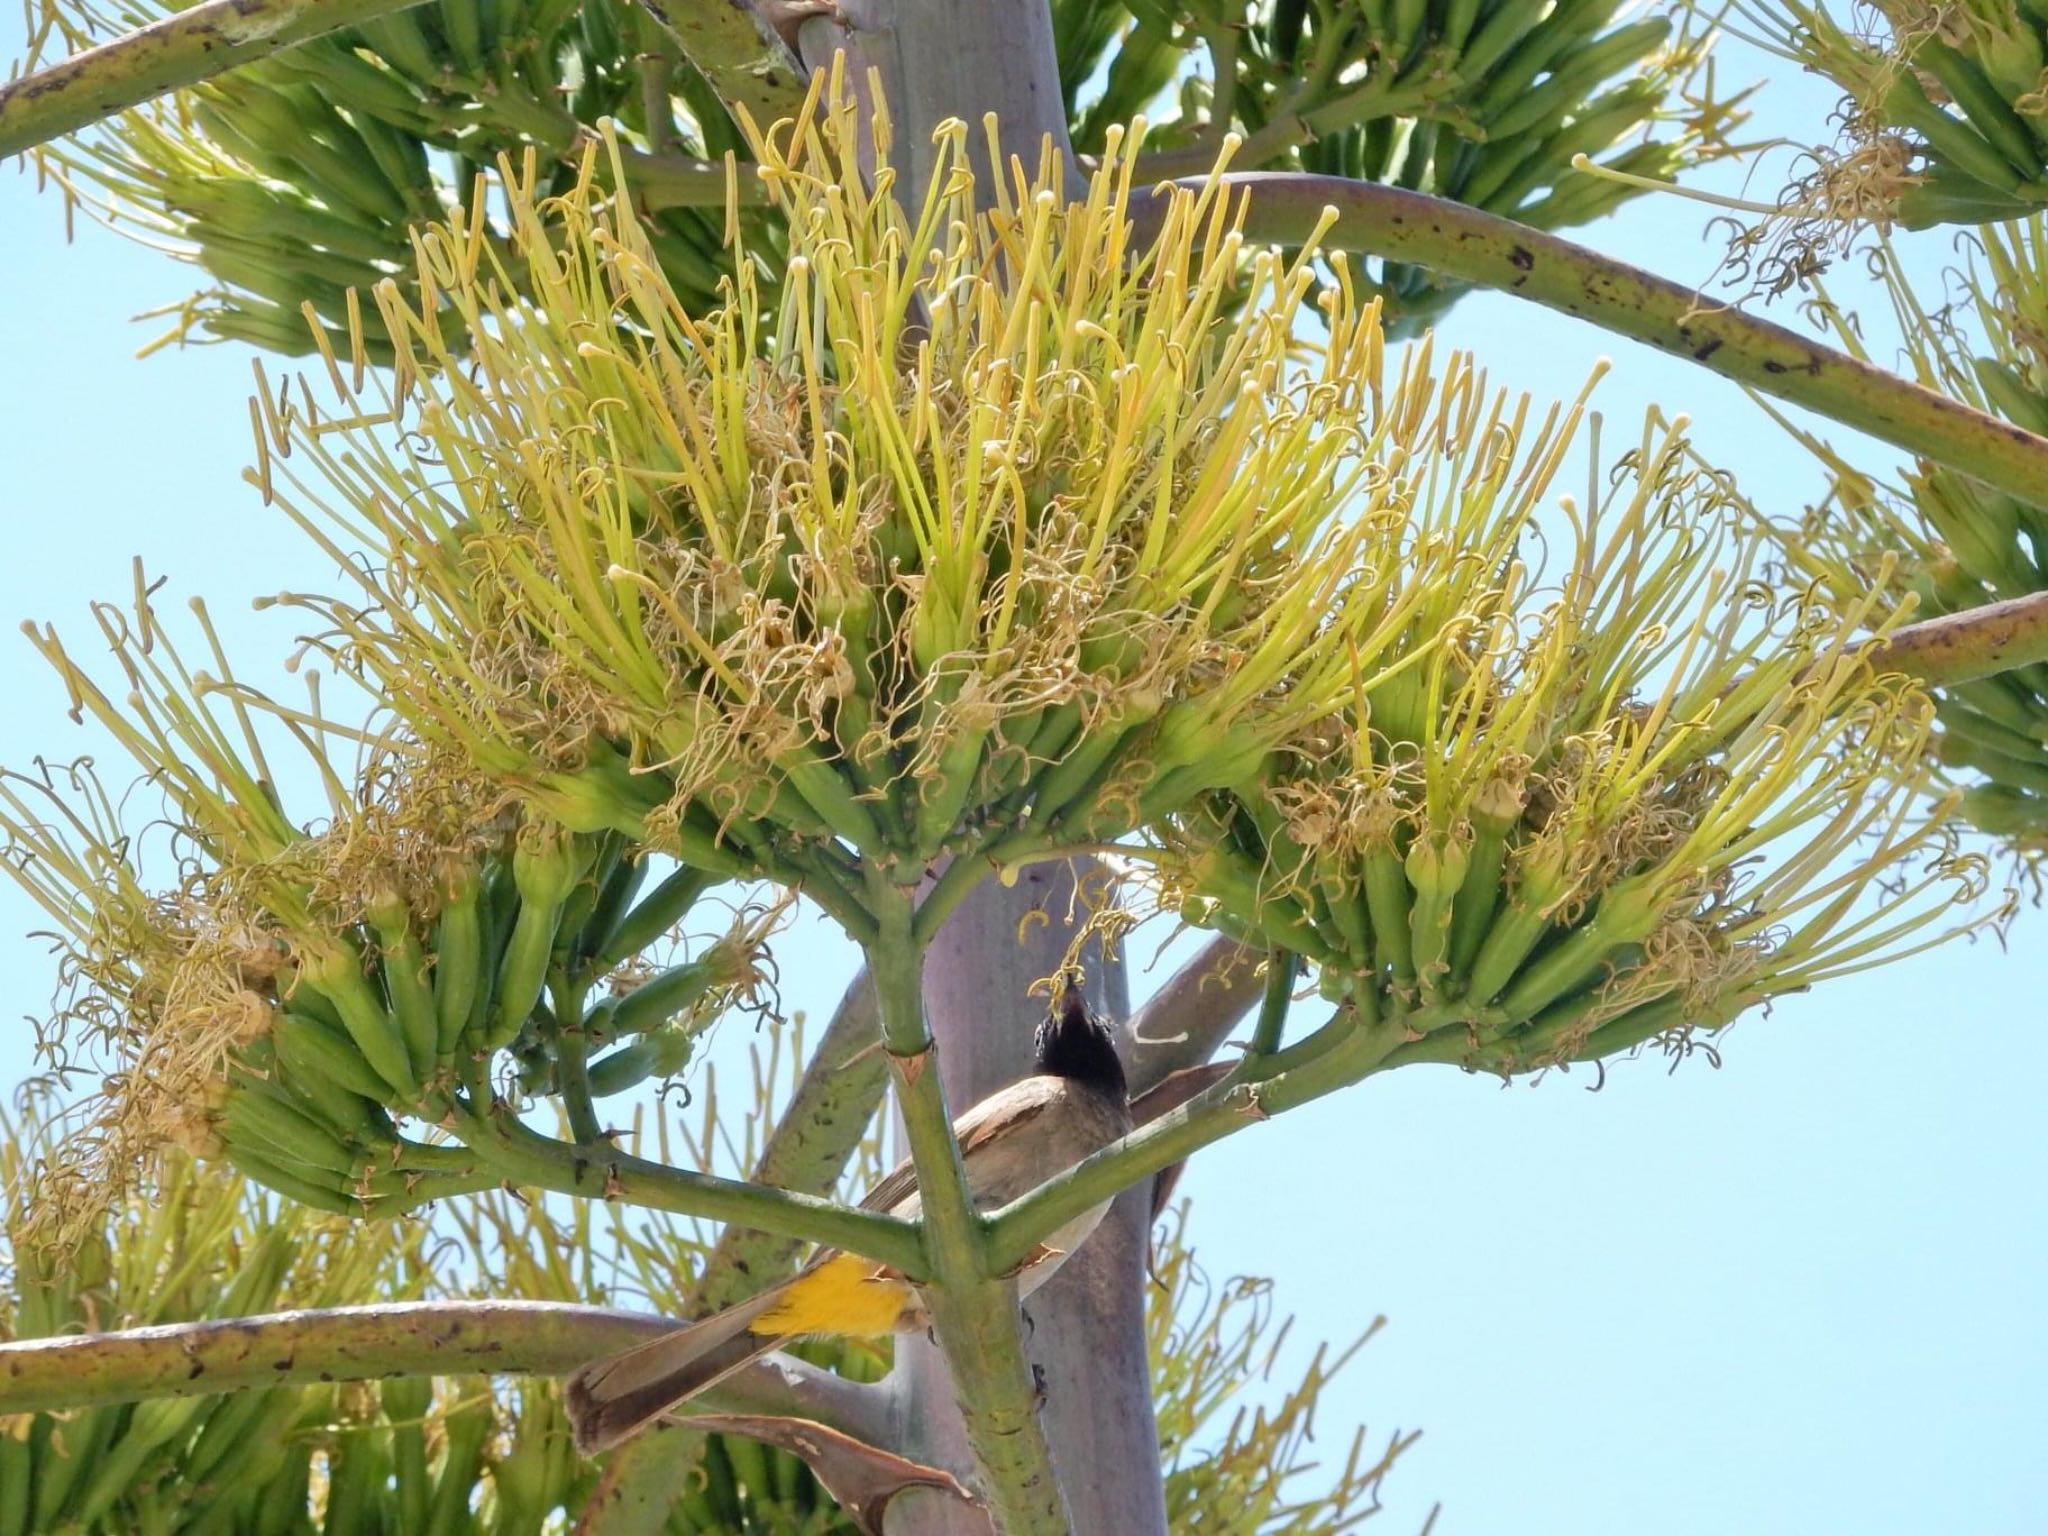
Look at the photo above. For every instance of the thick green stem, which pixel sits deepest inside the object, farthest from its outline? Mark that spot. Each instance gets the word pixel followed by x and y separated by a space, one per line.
pixel 1180 1026
pixel 431 1338
pixel 974 1315
pixel 952 1234
pixel 182 49
pixel 573 1066
pixel 444 1338
pixel 525 1156
pixel 1493 252
pixel 978 1330
pixel 1281 966
pixel 735 49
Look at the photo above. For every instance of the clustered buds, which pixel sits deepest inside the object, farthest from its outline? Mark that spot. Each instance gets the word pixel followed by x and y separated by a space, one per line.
pixel 300 988
pixel 1947 105
pixel 401 1454
pixel 297 179
pixel 1610 802
pixel 460 1457
pixel 1486 104
pixel 1951 542
pixel 994 552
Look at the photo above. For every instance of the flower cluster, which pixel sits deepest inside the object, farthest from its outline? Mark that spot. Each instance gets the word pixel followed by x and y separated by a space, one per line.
pixel 980 534
pixel 1625 799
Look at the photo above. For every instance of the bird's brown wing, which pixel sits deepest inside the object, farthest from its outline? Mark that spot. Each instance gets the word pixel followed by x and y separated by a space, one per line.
pixel 997 1115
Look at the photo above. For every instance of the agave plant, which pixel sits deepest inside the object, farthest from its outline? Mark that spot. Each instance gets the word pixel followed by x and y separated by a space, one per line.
pixel 1538 844
pixel 954 517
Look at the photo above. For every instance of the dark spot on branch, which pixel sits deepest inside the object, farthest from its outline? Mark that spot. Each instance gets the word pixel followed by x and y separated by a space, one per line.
pixel 1521 258
pixel 1706 349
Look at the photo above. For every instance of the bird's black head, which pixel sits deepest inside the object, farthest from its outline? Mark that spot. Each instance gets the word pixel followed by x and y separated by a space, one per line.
pixel 1073 1044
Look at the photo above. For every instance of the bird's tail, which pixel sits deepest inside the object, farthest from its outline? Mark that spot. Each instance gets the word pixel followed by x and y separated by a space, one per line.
pixel 612 1399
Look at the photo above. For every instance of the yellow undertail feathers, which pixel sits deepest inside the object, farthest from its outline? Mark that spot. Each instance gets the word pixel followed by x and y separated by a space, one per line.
pixel 844 1295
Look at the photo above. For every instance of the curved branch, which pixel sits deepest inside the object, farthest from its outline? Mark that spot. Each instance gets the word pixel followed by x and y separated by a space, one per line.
pixel 182 49
pixel 420 1338
pixel 447 1338
pixel 1335 1056
pixel 975 1317
pixel 1962 647
pixel 744 59
pixel 606 1173
pixel 1493 252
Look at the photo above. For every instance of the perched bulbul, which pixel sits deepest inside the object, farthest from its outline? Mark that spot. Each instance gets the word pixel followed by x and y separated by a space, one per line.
pixel 1075 1103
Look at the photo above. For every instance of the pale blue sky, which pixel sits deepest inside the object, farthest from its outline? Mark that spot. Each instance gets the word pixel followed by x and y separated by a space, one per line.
pixel 1798 1294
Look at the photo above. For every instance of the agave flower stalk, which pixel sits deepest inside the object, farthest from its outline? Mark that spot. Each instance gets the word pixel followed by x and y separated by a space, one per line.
pixel 977 497
pixel 205 1270
pixel 200 1246
pixel 235 1326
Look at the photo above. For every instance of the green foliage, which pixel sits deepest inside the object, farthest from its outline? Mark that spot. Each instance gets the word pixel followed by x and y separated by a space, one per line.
pixel 405 1454
pixel 822 610
pixel 1950 541
pixel 770 592
pixel 1486 102
pixel 1947 108
pixel 298 988
pixel 296 180
pixel 1535 841
pixel 293 181
pixel 745 522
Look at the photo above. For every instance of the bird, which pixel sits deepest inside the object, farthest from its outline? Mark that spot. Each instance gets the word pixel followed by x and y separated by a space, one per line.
pixel 1075 1102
